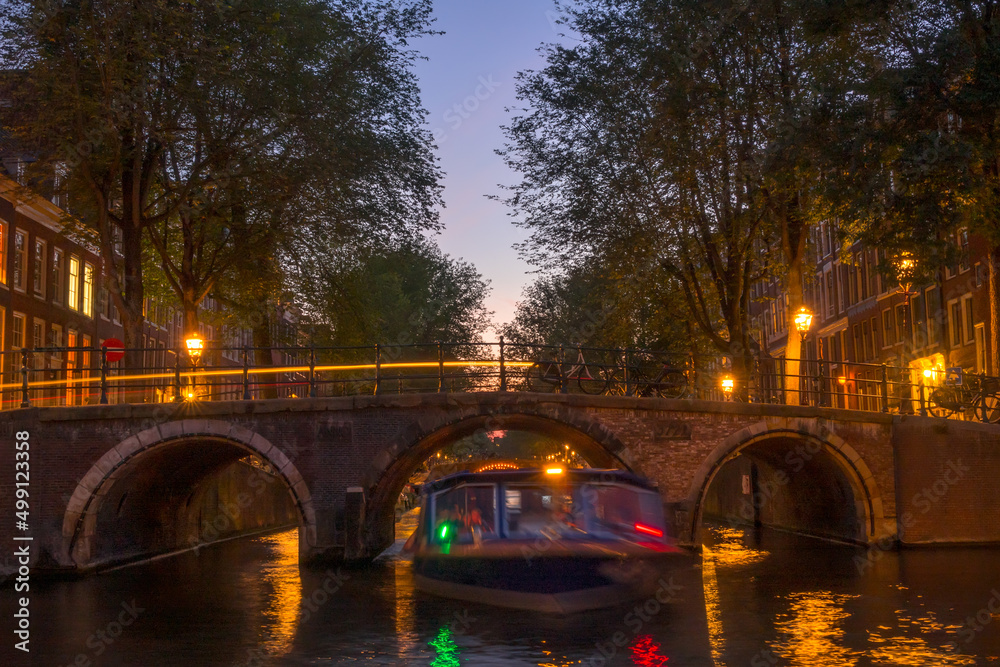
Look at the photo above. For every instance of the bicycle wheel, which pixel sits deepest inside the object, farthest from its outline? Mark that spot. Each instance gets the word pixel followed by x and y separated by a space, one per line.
pixel 944 402
pixel 594 381
pixel 543 377
pixel 988 408
pixel 672 385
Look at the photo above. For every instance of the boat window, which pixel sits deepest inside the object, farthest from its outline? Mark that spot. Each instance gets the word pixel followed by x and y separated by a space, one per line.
pixel 465 514
pixel 624 512
pixel 537 511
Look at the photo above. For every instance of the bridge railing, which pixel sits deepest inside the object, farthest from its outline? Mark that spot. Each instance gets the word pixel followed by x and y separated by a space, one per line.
pixel 53 376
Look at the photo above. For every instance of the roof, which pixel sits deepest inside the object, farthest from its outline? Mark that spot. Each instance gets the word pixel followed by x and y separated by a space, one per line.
pixel 576 476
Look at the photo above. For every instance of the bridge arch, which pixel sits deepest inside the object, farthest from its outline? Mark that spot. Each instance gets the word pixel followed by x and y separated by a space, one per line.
pixel 177 438
pixel 815 445
pixel 394 465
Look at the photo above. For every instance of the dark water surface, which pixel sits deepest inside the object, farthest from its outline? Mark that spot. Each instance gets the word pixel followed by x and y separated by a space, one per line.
pixel 749 600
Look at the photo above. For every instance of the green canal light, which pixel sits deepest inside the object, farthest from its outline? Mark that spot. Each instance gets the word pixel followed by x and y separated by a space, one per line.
pixel 444 532
pixel 447 649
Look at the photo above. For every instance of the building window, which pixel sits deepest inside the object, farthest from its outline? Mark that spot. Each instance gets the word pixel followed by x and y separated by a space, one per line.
pixel 17 332
pixel 20 260
pixel 830 308
pixel 56 339
pixel 73 299
pixel 955 308
pixel 72 357
pixel 934 315
pixel 865 344
pixel 38 269
pixel 970 322
pixel 888 330
pixel 38 334
pixel 980 348
pixel 57 275
pixel 102 300
pixel 855 339
pixel 874 348
pixel 88 289
pixel 3 252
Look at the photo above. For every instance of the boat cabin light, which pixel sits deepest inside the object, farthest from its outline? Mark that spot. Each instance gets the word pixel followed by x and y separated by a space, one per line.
pixel 553 471
pixel 648 530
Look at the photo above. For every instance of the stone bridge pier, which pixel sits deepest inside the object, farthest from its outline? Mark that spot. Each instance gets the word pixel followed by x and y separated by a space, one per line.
pixel 110 484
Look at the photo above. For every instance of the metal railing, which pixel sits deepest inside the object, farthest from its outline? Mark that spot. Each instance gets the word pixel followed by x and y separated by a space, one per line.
pixel 54 376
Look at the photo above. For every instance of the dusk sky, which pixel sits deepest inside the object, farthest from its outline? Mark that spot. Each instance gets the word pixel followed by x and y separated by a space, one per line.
pixel 473 66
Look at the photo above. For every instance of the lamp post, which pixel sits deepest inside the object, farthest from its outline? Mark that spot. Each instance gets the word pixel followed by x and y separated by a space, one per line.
pixel 905 269
pixel 195 346
pixel 803 322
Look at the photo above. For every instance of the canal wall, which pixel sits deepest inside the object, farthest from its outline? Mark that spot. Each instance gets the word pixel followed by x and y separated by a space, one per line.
pixel 947 481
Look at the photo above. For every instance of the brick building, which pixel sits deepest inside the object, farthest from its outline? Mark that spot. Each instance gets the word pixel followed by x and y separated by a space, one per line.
pixel 53 295
pixel 860 318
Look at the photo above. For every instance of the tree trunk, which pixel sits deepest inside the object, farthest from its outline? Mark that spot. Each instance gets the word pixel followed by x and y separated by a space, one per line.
pixel 130 296
pixel 263 342
pixel 793 347
pixel 994 296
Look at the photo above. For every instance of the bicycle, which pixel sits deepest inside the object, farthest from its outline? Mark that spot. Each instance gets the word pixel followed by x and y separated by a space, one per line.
pixel 670 382
pixel 981 399
pixel 548 375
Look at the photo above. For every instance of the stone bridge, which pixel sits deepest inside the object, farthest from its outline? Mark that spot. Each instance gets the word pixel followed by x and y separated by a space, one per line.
pixel 115 483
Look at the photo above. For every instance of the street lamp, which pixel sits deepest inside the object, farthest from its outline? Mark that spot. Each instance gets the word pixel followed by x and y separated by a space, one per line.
pixel 195 346
pixel 728 385
pixel 803 322
pixel 906 267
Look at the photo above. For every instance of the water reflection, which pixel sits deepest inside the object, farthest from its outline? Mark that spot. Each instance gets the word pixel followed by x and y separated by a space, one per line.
pixel 770 599
pixel 281 574
pixel 646 652
pixel 812 633
pixel 447 649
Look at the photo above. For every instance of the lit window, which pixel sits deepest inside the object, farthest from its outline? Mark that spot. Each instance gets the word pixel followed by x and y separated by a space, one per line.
pixel 74 283
pixel 3 252
pixel 88 289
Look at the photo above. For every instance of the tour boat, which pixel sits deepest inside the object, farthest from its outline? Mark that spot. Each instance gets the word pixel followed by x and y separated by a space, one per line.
pixel 552 540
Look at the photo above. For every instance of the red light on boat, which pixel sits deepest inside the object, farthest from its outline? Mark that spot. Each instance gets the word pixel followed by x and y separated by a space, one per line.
pixel 649 530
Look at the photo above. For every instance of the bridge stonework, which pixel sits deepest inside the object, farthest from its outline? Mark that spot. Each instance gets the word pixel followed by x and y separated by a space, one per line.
pixel 96 471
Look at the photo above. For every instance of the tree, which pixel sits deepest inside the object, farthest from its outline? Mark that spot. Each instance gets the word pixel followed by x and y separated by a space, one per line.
pixel 646 156
pixel 922 141
pixel 402 294
pixel 216 130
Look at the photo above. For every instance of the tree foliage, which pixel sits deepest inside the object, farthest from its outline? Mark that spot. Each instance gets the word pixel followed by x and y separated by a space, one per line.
pixel 213 133
pixel 693 161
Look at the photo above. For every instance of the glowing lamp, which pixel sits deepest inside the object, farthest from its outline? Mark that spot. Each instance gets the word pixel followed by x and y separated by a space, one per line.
pixel 928 373
pixel 195 346
pixel 842 379
pixel 553 471
pixel 648 530
pixel 803 320
pixel 728 385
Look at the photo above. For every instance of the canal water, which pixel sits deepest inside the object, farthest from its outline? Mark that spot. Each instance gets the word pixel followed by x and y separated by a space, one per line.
pixel 751 599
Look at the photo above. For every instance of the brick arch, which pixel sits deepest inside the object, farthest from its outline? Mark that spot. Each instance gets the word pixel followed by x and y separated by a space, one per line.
pixel 80 519
pixel 393 466
pixel 856 470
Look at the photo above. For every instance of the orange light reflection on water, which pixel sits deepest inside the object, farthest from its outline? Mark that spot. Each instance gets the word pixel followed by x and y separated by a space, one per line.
pixel 282 613
pixel 812 633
